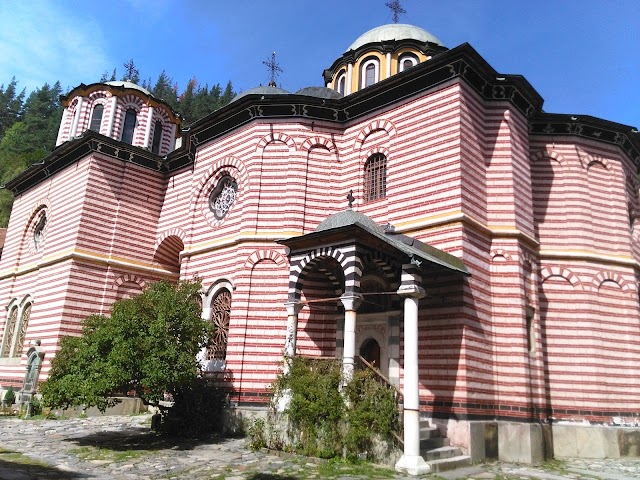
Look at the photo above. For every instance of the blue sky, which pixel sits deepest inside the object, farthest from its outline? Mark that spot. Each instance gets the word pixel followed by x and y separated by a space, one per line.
pixel 582 56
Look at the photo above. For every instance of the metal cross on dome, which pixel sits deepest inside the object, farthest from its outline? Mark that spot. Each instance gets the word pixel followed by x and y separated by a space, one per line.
pixel 396 8
pixel 274 69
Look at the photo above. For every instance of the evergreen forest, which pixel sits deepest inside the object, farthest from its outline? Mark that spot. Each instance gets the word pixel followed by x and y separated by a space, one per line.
pixel 29 122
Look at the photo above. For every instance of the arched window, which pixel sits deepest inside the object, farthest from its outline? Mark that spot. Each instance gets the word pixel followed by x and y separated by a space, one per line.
pixel 157 137
pixel 369 73
pixel 223 196
pixel 96 118
pixel 406 61
pixel 370 351
pixel 24 323
pixel 129 126
pixel 9 332
pixel 341 83
pixel 375 177
pixel 220 316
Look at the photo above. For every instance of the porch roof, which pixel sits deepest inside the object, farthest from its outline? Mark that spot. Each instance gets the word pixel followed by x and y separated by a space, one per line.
pixel 354 226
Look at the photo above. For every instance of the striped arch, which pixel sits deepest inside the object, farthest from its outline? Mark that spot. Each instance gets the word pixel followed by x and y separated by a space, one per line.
pixel 205 184
pixel 499 252
pixel 375 126
pixel 373 151
pixel 172 232
pixel 563 272
pixel 275 137
pixel 540 154
pixel 387 265
pixel 40 204
pixel 99 96
pixel 528 258
pixel 587 160
pixel 131 101
pixel 309 143
pixel 128 277
pixel 264 254
pixel 29 227
pixel 351 266
pixel 614 277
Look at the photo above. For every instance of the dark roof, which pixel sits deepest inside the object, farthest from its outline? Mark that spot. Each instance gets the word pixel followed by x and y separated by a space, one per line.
pixel 352 224
pixel 319 92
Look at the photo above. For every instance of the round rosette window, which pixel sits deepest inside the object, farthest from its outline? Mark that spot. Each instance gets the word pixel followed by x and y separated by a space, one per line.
pixel 38 231
pixel 223 196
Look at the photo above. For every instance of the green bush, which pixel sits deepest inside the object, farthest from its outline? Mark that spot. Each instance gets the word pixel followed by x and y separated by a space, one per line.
pixel 9 397
pixel 328 423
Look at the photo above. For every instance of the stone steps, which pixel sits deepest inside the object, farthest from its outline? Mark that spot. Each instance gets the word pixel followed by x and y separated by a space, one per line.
pixel 437 452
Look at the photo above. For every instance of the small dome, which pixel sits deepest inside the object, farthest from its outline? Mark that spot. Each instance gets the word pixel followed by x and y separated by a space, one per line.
pixel 124 84
pixel 319 92
pixel 394 31
pixel 266 90
pixel 348 217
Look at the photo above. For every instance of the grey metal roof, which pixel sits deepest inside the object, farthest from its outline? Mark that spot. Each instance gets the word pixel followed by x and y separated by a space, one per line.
pixel 125 84
pixel 261 90
pixel 394 31
pixel 320 92
pixel 410 246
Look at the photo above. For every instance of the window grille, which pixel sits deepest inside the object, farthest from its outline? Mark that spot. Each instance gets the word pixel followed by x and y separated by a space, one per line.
pixel 24 322
pixel 9 331
pixel 375 178
pixel 220 316
pixel 223 196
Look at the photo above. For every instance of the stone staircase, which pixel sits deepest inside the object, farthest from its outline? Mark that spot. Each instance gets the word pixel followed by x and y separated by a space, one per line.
pixel 437 452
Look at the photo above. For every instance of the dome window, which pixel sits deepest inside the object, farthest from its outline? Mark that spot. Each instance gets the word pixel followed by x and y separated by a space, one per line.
pixel 341 83
pixel 223 196
pixel 407 61
pixel 96 118
pixel 157 137
pixel 369 73
pixel 129 126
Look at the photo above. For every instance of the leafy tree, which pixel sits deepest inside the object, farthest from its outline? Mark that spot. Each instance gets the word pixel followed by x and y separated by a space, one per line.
pixel 148 346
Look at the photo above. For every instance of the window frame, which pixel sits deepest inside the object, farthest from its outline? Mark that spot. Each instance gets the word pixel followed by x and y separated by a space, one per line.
pixel 363 72
pixel 129 125
pixel 375 178
pixel 407 57
pixel 341 83
pixel 95 119
pixel 156 142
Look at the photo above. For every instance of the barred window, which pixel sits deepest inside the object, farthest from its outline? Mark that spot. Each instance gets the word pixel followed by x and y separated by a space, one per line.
pixel 220 316
pixel 375 178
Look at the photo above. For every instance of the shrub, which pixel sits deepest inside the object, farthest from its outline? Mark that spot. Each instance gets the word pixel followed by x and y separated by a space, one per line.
pixel 9 397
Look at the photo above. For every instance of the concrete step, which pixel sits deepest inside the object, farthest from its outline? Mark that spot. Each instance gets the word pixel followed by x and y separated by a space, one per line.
pixel 431 443
pixel 452 463
pixel 429 432
pixel 442 452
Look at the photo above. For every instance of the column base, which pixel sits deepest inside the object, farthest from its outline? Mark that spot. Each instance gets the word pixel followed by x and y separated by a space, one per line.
pixel 412 465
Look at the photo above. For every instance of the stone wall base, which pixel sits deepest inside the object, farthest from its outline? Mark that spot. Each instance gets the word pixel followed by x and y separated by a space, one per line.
pixel 127 406
pixel 596 441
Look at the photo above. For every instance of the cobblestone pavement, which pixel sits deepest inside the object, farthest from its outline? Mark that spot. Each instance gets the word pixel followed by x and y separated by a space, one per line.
pixel 124 448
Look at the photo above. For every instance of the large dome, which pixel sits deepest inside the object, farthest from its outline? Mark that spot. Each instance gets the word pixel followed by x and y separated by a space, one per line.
pixel 125 84
pixel 394 31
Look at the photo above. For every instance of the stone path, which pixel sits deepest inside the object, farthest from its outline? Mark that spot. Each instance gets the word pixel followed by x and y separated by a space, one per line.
pixel 124 448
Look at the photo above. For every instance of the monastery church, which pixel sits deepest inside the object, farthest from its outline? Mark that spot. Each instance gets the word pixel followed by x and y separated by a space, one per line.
pixel 419 210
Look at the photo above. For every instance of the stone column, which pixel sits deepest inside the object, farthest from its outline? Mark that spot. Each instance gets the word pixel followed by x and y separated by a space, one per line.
pixel 349 78
pixel 112 116
pixel 411 462
pixel 293 308
pixel 147 130
pixel 351 302
pixel 388 69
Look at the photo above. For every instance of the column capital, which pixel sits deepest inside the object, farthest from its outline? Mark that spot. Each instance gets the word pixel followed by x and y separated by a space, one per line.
pixel 293 308
pixel 351 301
pixel 411 291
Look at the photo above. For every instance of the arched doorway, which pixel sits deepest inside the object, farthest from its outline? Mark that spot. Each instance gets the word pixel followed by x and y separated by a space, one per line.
pixel 370 351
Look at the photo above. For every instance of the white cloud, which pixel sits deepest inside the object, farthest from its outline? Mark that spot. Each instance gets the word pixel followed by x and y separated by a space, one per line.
pixel 44 42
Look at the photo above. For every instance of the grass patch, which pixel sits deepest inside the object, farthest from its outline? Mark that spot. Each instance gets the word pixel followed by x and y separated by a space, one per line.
pixel 338 468
pixel 114 456
pixel 19 458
